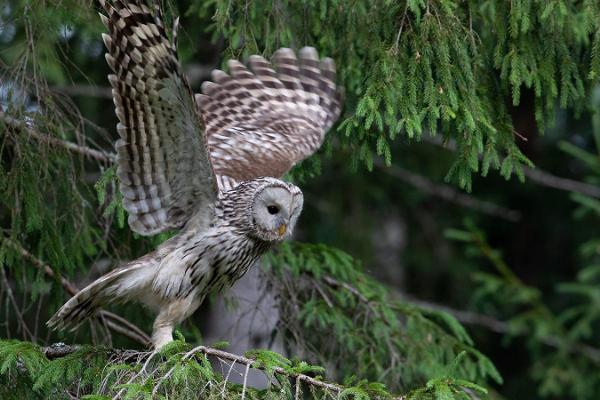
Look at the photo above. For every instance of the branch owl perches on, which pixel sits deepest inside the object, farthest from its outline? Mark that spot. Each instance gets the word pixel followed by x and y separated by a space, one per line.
pixel 208 165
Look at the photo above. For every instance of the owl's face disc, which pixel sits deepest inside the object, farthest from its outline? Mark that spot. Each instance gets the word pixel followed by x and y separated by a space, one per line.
pixel 275 210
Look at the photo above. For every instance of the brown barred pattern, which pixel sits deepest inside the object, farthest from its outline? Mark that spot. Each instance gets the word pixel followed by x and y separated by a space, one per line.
pixel 262 122
pixel 163 163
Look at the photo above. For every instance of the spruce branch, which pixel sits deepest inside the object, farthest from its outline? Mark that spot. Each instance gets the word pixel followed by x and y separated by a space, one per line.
pixel 85 90
pixel 114 322
pixel 470 318
pixel 449 193
pixel 61 350
pixel 446 192
pixel 495 325
pixel 45 138
pixel 536 175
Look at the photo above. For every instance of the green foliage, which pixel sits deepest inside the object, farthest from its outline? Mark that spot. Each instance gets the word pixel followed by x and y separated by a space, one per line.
pixel 176 372
pixel 39 188
pixel 109 179
pixel 571 368
pixel 414 67
pixel 27 373
pixel 357 326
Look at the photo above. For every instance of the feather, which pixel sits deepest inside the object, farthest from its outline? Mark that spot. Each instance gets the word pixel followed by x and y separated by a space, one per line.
pixel 163 161
pixel 116 286
pixel 261 121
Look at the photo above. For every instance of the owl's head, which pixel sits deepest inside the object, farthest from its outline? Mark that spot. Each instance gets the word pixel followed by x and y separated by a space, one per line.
pixel 276 206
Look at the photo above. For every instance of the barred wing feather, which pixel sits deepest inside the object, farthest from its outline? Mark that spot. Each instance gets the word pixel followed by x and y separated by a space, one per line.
pixel 263 120
pixel 163 163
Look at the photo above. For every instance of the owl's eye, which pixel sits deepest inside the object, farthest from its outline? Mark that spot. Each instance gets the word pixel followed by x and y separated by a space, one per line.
pixel 272 210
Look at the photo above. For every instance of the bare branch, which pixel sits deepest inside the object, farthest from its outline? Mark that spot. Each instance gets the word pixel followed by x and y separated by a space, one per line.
pixel 85 90
pixel 495 325
pixel 536 175
pixel 556 182
pixel 45 138
pixel 449 193
pixel 473 318
pixel 253 364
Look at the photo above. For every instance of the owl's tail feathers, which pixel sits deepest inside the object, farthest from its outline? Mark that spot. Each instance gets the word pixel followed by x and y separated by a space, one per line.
pixel 116 286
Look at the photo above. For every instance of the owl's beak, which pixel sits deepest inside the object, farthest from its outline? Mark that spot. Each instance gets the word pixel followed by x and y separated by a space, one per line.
pixel 281 230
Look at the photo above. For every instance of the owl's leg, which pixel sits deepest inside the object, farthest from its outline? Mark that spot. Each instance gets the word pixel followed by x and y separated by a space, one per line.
pixel 170 315
pixel 162 330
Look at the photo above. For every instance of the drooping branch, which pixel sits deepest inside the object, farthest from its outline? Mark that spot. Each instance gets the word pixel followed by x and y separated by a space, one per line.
pixel 536 175
pixel 112 321
pixel 471 318
pixel 85 90
pixel 449 193
pixel 446 192
pixel 498 326
pixel 34 133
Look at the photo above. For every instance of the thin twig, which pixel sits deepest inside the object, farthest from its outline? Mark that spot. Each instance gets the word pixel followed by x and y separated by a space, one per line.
pixel 297 394
pixel 332 282
pixel 404 15
pixel 226 377
pixel 11 297
pixel 45 138
pixel 323 294
pixel 253 364
pixel 121 325
pixel 246 371
pixel 337 284
pixel 85 90
pixel 136 375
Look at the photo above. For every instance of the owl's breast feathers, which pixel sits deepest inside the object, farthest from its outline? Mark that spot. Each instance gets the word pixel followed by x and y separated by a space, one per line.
pixel 205 262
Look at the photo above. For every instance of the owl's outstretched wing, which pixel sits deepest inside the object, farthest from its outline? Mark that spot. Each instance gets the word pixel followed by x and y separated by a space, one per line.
pixel 263 120
pixel 163 162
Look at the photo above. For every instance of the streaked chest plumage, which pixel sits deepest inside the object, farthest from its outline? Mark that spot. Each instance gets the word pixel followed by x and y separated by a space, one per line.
pixel 208 262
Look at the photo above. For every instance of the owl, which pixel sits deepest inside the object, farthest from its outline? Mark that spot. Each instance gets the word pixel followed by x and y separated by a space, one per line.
pixel 206 165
